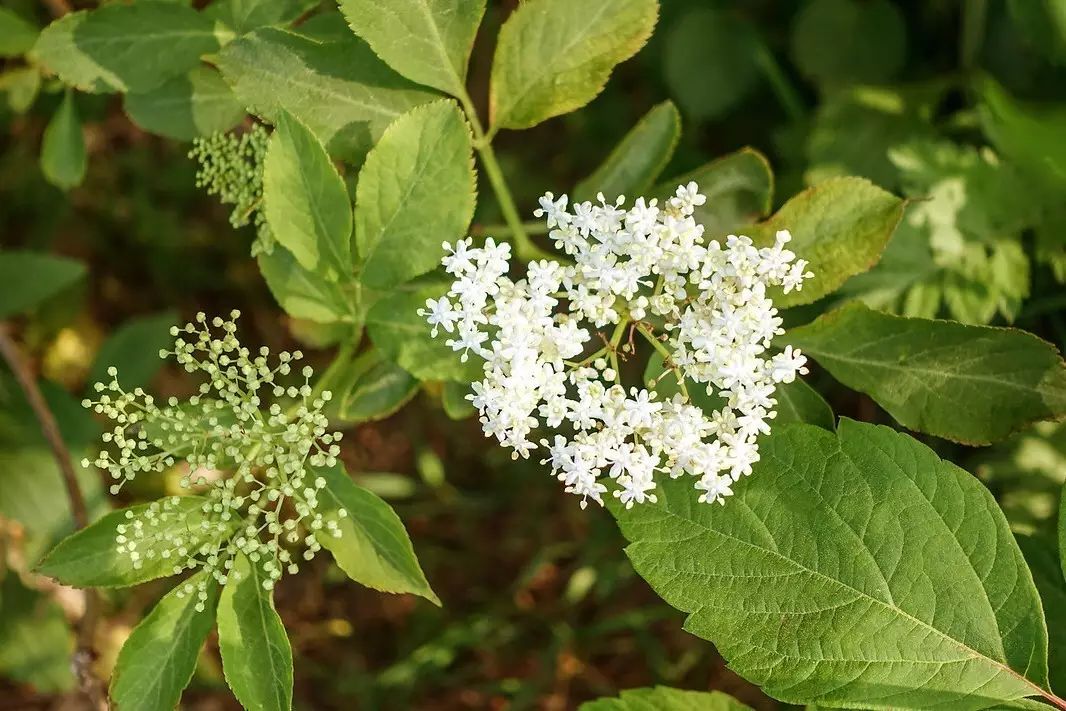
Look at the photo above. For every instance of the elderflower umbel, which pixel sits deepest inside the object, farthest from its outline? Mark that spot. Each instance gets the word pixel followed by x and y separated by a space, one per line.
pixel 647 270
pixel 252 464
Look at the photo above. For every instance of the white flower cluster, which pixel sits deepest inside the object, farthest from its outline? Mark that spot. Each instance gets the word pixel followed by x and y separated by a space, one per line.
pixel 252 466
pixel 647 270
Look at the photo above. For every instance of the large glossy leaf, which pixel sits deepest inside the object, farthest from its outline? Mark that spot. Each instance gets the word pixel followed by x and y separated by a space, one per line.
pixel 840 226
pixel 126 47
pixel 428 41
pixel 555 56
pixel 31 277
pixel 420 173
pixel 662 698
pixel 854 569
pixel 739 188
pixel 638 159
pixel 404 337
pixel 134 350
pixel 305 200
pixel 303 293
pixel 337 88
pixel 971 384
pixel 198 103
pixel 158 659
pixel 63 157
pixel 256 655
pixel 89 557
pixel 373 548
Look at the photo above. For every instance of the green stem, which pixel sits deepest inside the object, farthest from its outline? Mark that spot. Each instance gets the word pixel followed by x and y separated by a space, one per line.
pixel 782 87
pixel 972 32
pixel 658 346
pixel 525 249
pixel 531 228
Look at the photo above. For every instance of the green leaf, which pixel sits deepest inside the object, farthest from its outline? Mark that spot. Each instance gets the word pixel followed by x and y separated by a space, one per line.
pixel 17 36
pixel 799 402
pixel 306 203
pixel 63 158
pixel 21 85
pixel 404 337
pixel 1062 532
pixel 35 640
pixel 248 15
pixel 739 189
pixel 453 398
pixel 134 350
pixel 638 159
pixel 89 558
pixel 1034 138
pixel 302 293
pixel 710 60
pixel 838 42
pixel 371 388
pixel 126 47
pixel 157 660
pixel 338 88
pixel 970 384
pixel 662 698
pixel 1043 22
pixel 32 493
pixel 428 41
pixel 840 226
pixel 555 56
pixel 854 569
pixel 373 548
pixel 256 656
pixel 198 103
pixel 420 173
pixel 1047 574
pixel 31 277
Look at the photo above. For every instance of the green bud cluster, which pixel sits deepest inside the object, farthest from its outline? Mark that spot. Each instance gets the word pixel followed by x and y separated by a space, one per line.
pixel 252 462
pixel 231 168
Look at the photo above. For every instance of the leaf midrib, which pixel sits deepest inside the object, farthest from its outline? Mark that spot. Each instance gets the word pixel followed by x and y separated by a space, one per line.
pixel 891 608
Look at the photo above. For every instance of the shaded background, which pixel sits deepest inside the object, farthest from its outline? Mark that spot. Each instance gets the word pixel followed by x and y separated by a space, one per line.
pixel 541 608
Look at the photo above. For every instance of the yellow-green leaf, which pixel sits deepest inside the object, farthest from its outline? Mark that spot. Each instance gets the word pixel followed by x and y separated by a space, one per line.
pixel 256 655
pixel 428 41
pixel 63 158
pixel 420 174
pixel 555 56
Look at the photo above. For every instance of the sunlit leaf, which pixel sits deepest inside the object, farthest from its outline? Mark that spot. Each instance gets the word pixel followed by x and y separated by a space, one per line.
pixel 373 548
pixel 195 104
pixel 428 41
pixel 662 698
pixel 971 384
pixel 555 56
pixel 854 569
pixel 420 173
pixel 256 655
pixel 158 659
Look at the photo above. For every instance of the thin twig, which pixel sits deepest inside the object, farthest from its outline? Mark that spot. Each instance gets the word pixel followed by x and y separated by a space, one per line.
pixel 85 652
pixel 58 8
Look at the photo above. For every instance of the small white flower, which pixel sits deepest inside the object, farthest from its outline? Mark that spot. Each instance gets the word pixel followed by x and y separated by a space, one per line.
pixel 546 363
